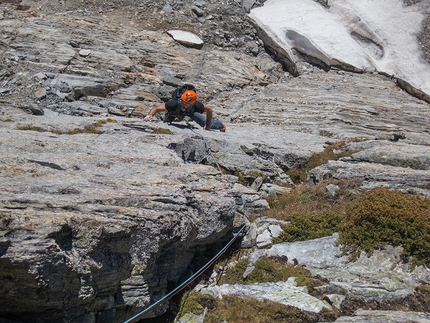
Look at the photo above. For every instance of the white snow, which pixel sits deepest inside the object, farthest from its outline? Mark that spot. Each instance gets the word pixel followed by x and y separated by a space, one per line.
pixel 367 35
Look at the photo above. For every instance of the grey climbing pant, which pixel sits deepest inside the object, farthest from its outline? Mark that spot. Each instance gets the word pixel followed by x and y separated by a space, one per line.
pixel 201 120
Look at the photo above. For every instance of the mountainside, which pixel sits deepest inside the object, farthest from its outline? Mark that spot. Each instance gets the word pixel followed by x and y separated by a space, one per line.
pixel 102 213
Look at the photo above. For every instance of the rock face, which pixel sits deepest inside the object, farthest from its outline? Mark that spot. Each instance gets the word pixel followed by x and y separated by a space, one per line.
pixel 102 219
pixel 101 212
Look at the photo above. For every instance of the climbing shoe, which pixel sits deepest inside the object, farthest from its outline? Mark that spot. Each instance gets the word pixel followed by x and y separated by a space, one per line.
pixel 223 128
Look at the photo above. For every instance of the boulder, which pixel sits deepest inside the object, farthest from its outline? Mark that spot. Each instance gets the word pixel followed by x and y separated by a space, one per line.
pixel 186 38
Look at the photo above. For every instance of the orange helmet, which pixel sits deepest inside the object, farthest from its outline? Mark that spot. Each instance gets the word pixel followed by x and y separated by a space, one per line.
pixel 189 96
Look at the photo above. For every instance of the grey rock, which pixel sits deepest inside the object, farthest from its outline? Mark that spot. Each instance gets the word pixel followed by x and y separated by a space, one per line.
pixel 264 239
pixel 286 293
pixel 119 233
pixel 40 94
pixel 198 11
pixel 186 38
pixel 262 231
pixel 250 238
pixel 375 175
pixel 4 90
pixel 275 230
pixel 35 109
pixel 193 318
pixel 334 300
pixel 85 52
pixel 357 279
pixel 40 76
pixel 120 214
pixel 271 191
pixel 332 189
pixel 392 154
pixel 248 4
pixel 367 316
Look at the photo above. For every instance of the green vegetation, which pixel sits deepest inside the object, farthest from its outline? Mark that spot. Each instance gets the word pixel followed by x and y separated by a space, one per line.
pixel 30 128
pixel 234 275
pixel 191 302
pixel 420 301
pixel 331 152
pixel 244 310
pixel 269 269
pixel 312 211
pixel 381 217
pixel 310 227
pixel 162 131
pixel 365 222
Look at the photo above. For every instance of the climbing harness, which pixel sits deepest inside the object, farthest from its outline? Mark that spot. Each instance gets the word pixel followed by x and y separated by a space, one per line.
pixel 189 280
pixel 201 270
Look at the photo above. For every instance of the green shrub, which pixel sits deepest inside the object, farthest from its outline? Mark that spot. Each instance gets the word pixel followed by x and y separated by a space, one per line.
pixel 191 303
pixel 365 221
pixel 234 275
pixel 304 227
pixel 269 269
pixel 383 216
pixel 244 310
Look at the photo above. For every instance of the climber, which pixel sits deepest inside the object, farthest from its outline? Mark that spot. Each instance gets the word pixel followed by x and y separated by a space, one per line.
pixel 187 106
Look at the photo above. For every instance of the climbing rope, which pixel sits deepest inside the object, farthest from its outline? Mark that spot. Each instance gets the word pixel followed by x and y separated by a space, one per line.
pixel 141 314
pixel 189 280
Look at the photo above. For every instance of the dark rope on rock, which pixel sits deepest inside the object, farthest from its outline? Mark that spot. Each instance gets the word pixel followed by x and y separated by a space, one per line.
pixel 141 314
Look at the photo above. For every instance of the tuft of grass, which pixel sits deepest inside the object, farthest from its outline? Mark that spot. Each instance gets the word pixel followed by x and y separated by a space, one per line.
pixel 332 152
pixel 274 269
pixel 30 128
pixel 311 210
pixel 313 199
pixel 269 269
pixel 191 303
pixel 162 131
pixel 421 299
pixel 244 310
pixel 90 129
pixel 234 275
